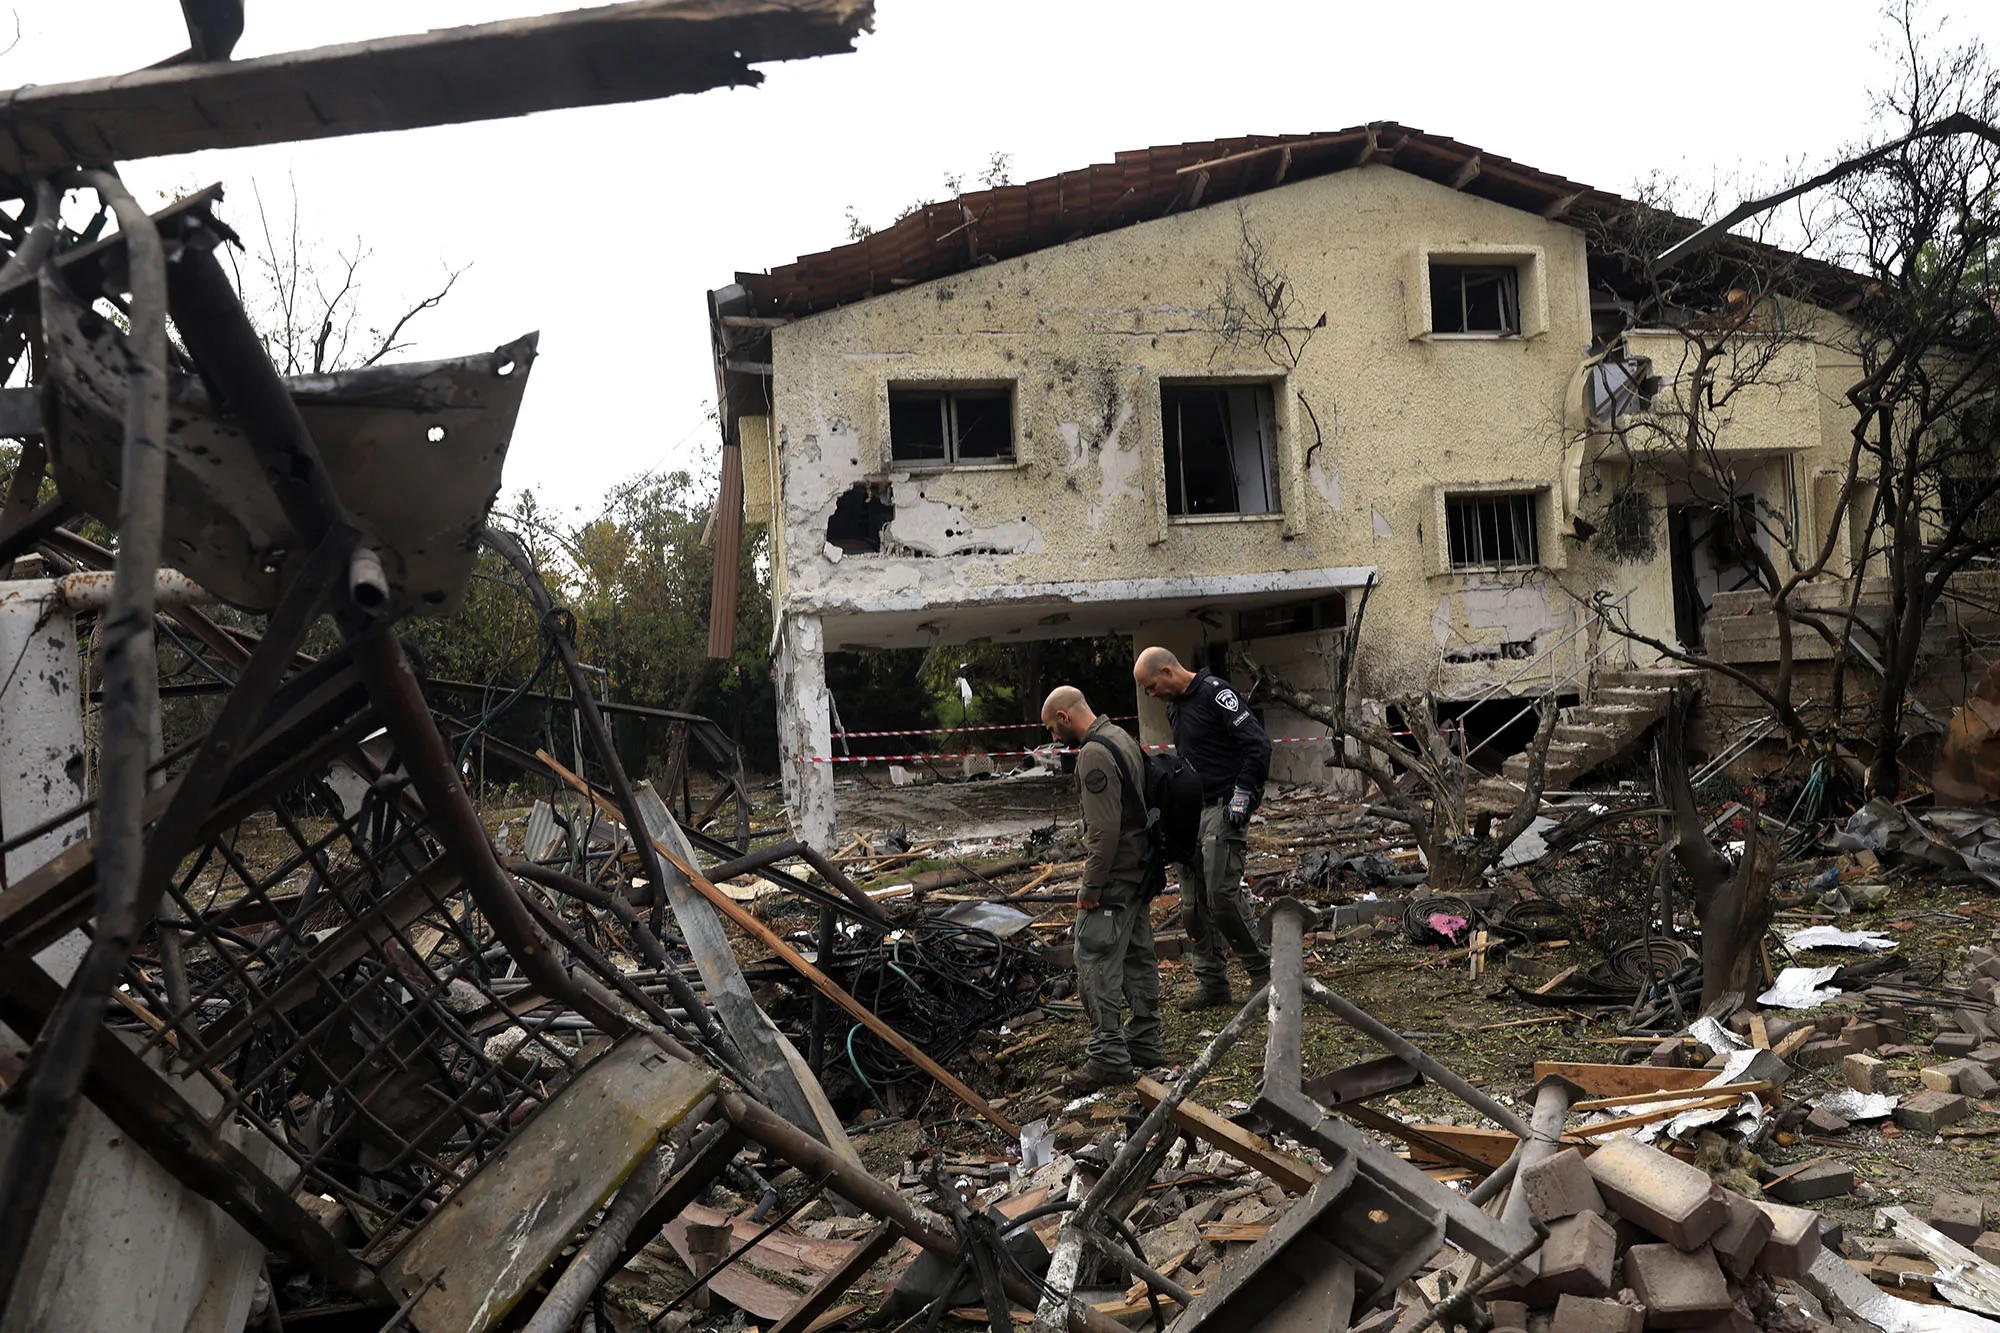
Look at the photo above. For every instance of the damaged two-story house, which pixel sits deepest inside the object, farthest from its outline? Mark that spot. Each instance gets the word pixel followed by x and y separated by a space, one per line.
pixel 1207 394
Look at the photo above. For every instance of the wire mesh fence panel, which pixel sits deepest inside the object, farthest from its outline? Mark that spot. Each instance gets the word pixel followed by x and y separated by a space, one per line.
pixel 328 973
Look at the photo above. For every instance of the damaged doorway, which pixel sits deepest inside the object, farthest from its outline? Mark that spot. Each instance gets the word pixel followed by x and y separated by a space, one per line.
pixel 1221 448
pixel 1708 556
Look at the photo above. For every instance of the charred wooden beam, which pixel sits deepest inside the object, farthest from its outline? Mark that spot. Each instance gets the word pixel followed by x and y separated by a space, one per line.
pixel 589 57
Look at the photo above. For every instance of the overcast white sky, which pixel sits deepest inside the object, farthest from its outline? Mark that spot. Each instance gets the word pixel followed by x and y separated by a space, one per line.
pixel 604 227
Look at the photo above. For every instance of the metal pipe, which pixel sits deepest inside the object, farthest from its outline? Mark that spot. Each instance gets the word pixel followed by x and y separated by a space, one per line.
pixel 1394 1042
pixel 595 1257
pixel 130 676
pixel 1552 1098
pixel 392 685
pixel 649 944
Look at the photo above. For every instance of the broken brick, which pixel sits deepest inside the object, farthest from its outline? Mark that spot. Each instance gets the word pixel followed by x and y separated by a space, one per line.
pixel 1865 1073
pixel 1867 1036
pixel 1794 1242
pixel 1669 1054
pixel 1928 1112
pixel 1815 1180
pixel 1681 1288
pixel 1674 1200
pixel 1987 1246
pixel 1959 1216
pixel 1580 1314
pixel 1826 1122
pixel 1508 1315
pixel 1577 1258
pixel 1743 1236
pixel 1954 1044
pixel 1944 1077
pixel 1560 1186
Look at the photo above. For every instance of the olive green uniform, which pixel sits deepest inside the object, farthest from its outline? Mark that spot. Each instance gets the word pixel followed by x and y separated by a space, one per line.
pixel 1215 909
pixel 1115 963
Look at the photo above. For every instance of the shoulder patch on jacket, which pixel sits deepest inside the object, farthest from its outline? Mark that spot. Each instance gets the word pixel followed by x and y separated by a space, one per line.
pixel 1096 780
pixel 1227 698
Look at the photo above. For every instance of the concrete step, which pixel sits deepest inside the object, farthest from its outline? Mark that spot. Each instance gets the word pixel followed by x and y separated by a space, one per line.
pixel 1564 758
pixel 1659 678
pixel 1633 696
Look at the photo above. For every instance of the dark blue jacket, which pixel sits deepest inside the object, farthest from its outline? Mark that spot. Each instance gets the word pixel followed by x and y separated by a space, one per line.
pixel 1215 732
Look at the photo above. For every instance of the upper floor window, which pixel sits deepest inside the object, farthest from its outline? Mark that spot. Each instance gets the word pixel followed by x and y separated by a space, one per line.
pixel 943 427
pixel 1221 447
pixel 1492 531
pixel 1475 298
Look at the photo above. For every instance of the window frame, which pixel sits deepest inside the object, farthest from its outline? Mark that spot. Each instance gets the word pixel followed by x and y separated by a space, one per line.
pixel 1273 458
pixel 949 395
pixel 1509 273
pixel 1531 296
pixel 1532 500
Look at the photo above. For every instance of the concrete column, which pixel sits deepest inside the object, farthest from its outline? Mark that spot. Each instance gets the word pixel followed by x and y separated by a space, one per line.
pixel 1182 638
pixel 805 728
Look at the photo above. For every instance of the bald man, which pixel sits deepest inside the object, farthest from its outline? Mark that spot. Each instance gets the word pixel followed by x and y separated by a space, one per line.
pixel 1217 735
pixel 1115 962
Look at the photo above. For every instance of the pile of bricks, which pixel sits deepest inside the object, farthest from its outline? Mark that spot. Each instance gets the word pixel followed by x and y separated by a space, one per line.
pixel 1638 1239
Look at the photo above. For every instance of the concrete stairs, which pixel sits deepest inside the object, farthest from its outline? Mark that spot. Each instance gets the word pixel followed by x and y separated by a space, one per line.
pixel 1627 702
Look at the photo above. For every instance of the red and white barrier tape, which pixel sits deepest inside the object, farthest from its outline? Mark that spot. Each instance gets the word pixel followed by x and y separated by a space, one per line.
pixel 963 731
pixel 995 754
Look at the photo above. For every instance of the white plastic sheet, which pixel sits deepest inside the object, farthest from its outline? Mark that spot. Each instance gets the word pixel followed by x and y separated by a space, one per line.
pixel 1801 988
pixel 1832 937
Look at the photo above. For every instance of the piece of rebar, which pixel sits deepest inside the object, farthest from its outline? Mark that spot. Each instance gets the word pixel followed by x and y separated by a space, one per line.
pixel 54 1082
pixel 1396 1044
pixel 1063 1264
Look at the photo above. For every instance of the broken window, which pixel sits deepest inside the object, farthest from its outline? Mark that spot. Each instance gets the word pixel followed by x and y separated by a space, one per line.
pixel 1492 531
pixel 943 427
pixel 1317 613
pixel 1222 448
pixel 1475 298
pixel 1620 387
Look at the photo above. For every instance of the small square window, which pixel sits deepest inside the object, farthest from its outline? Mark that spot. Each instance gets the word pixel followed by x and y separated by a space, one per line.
pixel 940 427
pixel 1475 298
pixel 1221 448
pixel 1492 531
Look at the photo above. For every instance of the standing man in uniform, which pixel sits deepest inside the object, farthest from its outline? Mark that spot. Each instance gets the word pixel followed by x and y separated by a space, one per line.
pixel 1229 751
pixel 1114 928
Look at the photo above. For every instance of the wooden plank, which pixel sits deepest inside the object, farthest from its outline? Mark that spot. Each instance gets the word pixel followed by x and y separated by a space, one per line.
pixel 1603 1127
pixel 1760 1035
pixel 1291 1174
pixel 1793 1040
pixel 824 984
pixel 503 1228
pixel 1225 1232
pixel 1635 1098
pixel 735 1284
pixel 1491 1146
pixel 1556 980
pixel 1616 1080
pixel 1433 1148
